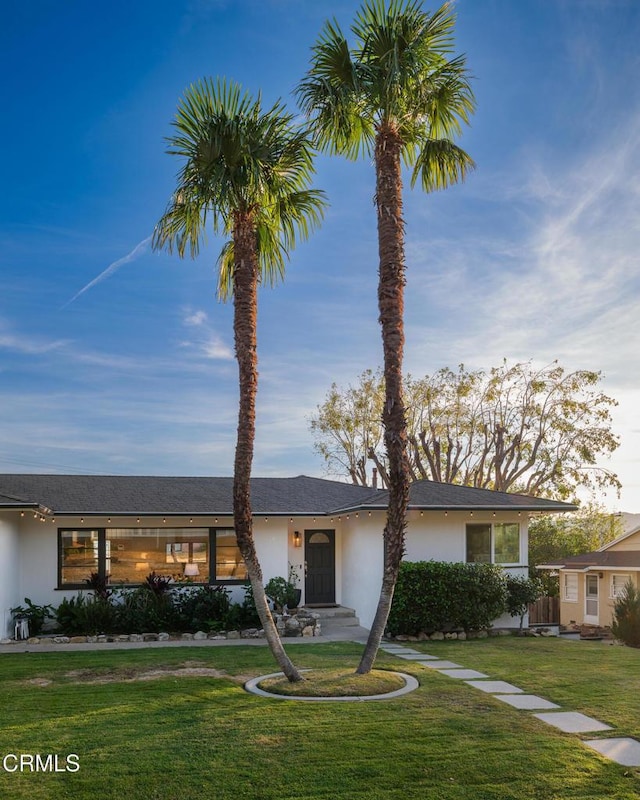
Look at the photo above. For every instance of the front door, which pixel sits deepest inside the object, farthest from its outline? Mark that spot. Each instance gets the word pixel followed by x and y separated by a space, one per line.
pixel 320 568
pixel 591 600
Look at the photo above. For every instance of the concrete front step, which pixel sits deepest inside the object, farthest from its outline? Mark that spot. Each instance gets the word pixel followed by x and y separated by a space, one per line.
pixel 335 617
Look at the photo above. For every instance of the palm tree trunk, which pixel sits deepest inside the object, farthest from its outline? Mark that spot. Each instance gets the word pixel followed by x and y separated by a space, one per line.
pixel 391 310
pixel 245 332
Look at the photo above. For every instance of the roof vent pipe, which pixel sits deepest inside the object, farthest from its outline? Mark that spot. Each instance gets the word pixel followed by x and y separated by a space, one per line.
pixel 374 479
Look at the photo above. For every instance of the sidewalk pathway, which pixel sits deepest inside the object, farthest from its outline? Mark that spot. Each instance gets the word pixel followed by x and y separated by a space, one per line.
pixel 623 750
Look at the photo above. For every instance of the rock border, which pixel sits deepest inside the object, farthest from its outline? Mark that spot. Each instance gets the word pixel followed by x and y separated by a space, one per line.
pixel 250 633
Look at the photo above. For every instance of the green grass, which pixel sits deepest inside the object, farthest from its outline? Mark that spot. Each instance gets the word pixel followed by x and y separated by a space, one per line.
pixel 340 682
pixel 187 737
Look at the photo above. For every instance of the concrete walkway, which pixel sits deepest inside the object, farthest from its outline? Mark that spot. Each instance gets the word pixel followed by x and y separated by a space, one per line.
pixel 622 750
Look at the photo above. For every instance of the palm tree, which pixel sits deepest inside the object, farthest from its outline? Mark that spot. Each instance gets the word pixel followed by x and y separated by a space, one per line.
pixel 399 95
pixel 248 172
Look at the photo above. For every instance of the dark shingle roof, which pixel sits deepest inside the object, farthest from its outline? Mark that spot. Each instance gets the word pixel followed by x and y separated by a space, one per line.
pixel 102 494
pixel 603 559
pixel 430 494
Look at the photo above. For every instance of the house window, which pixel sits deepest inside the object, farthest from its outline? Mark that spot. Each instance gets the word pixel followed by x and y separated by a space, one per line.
pixel 229 563
pixel 78 555
pixel 493 544
pixel 133 553
pixel 570 587
pixel 618 582
pixel 128 555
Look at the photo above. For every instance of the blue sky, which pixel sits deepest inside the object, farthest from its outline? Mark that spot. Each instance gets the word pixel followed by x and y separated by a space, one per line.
pixel 534 257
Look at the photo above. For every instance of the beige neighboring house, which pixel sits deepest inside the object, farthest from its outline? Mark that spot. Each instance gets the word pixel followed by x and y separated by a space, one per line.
pixel 591 583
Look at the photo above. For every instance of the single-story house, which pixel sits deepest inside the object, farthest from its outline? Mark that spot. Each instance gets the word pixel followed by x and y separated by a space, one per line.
pixel 590 583
pixel 55 530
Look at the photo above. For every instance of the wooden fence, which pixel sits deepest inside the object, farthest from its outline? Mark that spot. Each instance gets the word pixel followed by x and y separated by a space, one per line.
pixel 545 611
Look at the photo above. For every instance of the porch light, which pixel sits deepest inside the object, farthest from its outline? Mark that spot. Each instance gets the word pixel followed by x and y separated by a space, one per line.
pixel 297 541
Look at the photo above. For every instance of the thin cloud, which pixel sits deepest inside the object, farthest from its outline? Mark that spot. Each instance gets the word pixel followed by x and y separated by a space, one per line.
pixel 137 251
pixel 195 318
pixel 207 342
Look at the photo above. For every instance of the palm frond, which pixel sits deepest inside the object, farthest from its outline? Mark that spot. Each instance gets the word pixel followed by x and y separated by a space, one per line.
pixel 398 74
pixel 331 97
pixel 441 163
pixel 239 159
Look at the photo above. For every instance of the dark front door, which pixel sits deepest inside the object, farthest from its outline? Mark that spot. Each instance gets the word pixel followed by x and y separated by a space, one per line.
pixel 320 567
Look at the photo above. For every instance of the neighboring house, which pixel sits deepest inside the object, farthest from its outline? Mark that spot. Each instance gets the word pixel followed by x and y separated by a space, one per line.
pixel 55 530
pixel 590 583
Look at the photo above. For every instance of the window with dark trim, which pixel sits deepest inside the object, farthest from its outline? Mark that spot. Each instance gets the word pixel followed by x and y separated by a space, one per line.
pixel 497 543
pixel 127 555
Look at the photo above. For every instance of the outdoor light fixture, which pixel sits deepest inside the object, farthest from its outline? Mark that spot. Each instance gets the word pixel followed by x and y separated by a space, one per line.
pixel 191 570
pixel 297 541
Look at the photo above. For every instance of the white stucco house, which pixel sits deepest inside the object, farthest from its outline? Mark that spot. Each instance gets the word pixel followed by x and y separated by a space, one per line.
pixel 55 530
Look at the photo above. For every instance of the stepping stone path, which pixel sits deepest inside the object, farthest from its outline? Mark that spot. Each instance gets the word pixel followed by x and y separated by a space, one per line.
pixel 624 750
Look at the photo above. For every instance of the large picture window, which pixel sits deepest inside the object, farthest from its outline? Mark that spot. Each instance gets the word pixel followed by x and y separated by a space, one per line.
pixel 128 555
pixel 497 543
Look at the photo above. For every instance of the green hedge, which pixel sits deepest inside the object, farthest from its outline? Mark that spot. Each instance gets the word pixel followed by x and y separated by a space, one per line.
pixel 441 596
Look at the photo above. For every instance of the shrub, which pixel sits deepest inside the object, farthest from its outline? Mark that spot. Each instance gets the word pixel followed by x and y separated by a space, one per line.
pixel 439 596
pixel 156 606
pixel 201 608
pixel 99 585
pixel 243 615
pixel 520 593
pixel 160 585
pixel 36 615
pixel 626 616
pixel 284 591
pixel 143 610
pixel 83 615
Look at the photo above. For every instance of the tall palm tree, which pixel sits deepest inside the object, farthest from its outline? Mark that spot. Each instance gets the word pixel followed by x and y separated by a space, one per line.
pixel 248 172
pixel 400 95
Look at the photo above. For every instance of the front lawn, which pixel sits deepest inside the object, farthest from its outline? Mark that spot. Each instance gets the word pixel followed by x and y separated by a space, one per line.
pixel 194 733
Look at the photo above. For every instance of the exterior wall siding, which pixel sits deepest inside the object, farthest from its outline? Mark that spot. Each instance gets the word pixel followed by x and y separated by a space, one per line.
pixel 9 577
pixel 574 612
pixel 30 550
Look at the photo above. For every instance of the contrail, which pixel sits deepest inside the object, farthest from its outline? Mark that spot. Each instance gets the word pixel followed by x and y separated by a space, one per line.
pixel 137 250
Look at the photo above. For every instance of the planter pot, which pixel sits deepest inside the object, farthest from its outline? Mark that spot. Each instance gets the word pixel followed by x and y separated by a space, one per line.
pixel 293 601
